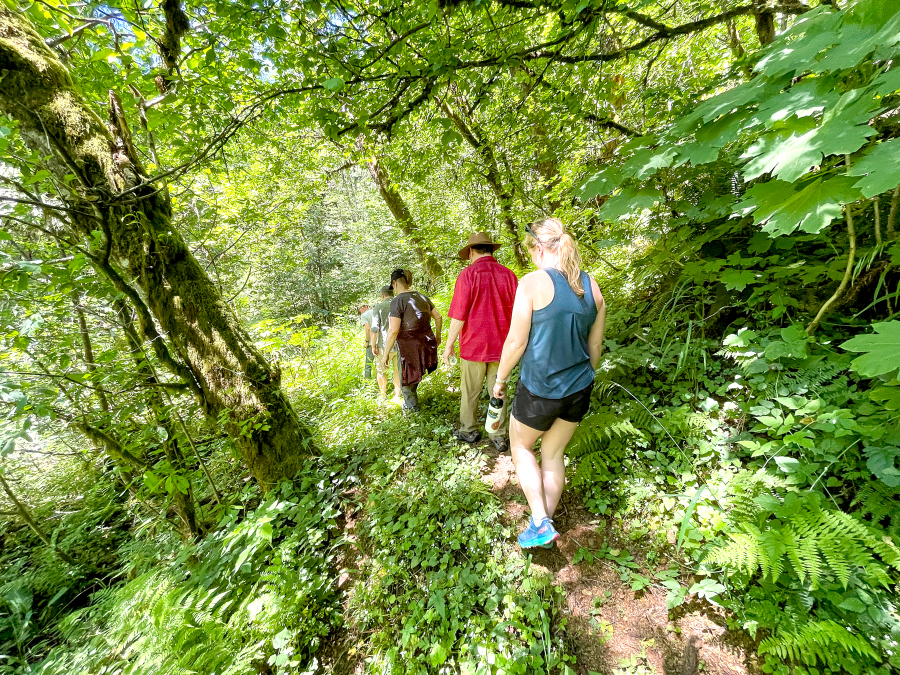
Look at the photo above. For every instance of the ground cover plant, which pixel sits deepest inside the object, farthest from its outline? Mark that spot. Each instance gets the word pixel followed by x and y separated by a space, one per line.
pixel 196 196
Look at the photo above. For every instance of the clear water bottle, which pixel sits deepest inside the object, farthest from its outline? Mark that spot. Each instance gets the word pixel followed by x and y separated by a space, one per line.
pixel 492 423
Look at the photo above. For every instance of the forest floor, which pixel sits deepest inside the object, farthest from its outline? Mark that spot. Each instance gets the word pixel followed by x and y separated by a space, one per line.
pixel 607 626
pixel 611 628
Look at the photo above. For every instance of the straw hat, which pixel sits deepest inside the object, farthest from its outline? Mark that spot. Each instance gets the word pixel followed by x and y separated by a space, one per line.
pixel 477 238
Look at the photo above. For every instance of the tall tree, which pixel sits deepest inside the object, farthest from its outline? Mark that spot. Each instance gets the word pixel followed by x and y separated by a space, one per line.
pixel 106 189
pixel 400 210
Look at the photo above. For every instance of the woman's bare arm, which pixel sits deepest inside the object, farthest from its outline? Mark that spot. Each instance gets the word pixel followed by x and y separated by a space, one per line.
pixel 595 337
pixel 519 330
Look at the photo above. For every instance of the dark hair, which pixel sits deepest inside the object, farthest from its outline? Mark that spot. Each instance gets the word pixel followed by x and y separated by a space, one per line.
pixel 483 248
pixel 388 291
pixel 399 273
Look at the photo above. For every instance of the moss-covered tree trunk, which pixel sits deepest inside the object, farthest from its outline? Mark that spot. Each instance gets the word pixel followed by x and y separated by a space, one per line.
pixel 399 209
pixel 475 137
pixel 144 254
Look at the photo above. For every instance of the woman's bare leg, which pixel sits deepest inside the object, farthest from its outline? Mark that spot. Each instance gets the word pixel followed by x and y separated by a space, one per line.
pixel 553 461
pixel 522 439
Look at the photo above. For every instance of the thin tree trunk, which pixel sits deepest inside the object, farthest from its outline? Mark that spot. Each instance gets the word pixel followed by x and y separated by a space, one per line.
pixel 26 516
pixel 892 214
pixel 88 349
pixel 226 372
pixel 845 280
pixel 399 209
pixel 184 502
pixel 474 137
pixel 765 22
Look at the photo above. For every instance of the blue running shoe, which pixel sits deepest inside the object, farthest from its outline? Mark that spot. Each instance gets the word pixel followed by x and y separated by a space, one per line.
pixel 538 535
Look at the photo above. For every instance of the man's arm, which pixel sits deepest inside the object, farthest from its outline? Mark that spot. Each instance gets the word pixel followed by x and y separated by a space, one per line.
pixel 436 315
pixel 373 338
pixel 393 332
pixel 456 327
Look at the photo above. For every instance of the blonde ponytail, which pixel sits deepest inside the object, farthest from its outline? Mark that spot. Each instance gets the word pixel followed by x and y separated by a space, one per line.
pixel 550 232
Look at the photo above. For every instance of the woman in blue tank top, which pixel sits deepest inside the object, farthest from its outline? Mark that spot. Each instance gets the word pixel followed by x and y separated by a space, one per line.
pixel 557 335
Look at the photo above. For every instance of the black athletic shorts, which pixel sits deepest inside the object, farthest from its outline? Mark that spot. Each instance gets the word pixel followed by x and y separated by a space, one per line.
pixel 540 413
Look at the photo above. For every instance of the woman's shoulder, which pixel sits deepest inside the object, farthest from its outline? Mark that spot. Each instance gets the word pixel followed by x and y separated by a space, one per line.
pixel 535 279
pixel 595 290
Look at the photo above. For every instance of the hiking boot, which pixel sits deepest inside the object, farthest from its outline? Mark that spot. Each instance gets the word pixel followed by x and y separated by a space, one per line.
pixel 500 443
pixel 466 436
pixel 538 535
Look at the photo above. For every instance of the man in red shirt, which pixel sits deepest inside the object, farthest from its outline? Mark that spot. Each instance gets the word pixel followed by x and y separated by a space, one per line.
pixel 480 314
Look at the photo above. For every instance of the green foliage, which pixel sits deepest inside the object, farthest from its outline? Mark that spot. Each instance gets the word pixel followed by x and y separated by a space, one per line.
pixel 882 350
pixel 215 606
pixel 816 544
pixel 715 416
pixel 441 586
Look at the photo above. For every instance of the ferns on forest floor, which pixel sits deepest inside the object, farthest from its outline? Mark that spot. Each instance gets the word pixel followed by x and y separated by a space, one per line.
pixel 214 607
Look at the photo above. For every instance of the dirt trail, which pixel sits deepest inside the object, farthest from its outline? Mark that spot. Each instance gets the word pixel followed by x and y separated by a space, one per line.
pixel 612 630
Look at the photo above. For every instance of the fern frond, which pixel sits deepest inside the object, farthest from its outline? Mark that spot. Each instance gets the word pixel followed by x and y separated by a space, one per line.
pixel 741 553
pixel 822 640
pixel 878 501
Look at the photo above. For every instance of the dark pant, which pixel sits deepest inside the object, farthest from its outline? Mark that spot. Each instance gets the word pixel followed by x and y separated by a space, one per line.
pixel 410 397
pixel 370 359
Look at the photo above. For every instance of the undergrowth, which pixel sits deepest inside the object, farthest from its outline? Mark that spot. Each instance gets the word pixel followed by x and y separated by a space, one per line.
pixel 439 586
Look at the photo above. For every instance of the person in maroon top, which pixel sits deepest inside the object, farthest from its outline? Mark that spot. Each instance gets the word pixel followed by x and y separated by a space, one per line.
pixel 480 314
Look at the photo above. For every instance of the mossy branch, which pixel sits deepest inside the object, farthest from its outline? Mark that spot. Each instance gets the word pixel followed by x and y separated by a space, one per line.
pixel 32 523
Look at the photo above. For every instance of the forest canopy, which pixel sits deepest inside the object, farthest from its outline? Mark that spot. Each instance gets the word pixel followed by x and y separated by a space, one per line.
pixel 196 197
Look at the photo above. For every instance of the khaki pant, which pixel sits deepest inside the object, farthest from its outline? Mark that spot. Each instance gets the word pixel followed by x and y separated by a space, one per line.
pixel 472 379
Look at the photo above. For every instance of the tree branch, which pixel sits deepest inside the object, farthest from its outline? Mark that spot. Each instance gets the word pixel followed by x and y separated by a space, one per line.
pixel 848 272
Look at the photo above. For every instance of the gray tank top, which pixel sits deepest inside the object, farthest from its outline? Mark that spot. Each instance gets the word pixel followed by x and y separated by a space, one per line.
pixel 556 362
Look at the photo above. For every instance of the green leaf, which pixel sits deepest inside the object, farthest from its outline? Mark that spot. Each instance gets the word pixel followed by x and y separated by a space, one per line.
pixel 737 280
pixel 882 464
pixel 853 605
pixel 880 168
pixel 757 89
pixel 871 12
pixel 860 36
pixel 648 161
pixel 687 516
pixel 889 82
pixel 281 639
pixel 808 97
pixel 630 200
pixel 790 158
pixel 601 183
pixel 451 137
pixel 697 153
pixel 797 48
pixel 103 54
pixel 781 210
pixel 788 464
pixel 881 350
pixel 889 397
pixel 334 84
